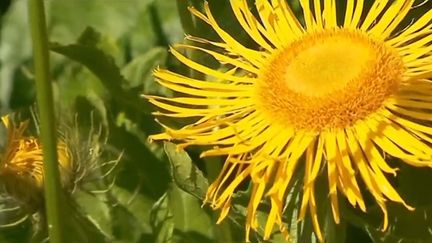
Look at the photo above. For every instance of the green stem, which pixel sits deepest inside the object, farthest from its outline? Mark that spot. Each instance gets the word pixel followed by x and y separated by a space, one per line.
pixel 157 26
pixel 186 19
pixel 194 28
pixel 53 193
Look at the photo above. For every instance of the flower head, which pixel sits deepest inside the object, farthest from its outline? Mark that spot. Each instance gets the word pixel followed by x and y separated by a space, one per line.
pixel 21 167
pixel 333 92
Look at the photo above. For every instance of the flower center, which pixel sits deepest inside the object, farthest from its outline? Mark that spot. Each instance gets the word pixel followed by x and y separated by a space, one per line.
pixel 326 66
pixel 329 79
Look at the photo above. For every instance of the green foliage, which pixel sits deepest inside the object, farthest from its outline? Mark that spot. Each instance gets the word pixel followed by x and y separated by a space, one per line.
pixel 184 173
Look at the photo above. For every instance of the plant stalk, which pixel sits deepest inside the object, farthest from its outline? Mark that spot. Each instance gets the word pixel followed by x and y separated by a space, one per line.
pixel 53 190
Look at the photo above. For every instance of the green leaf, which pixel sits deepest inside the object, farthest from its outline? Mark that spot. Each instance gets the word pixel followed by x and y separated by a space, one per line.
pixel 69 18
pixel 137 205
pixel 125 226
pixel 162 221
pixel 80 82
pixel 139 72
pixel 184 173
pixel 178 217
pixel 87 52
pixel 185 197
pixel 100 63
pixel 96 209
pixel 185 207
pixel 86 222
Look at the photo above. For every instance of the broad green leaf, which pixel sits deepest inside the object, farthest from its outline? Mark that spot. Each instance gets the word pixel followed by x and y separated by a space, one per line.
pixel 126 227
pixel 137 204
pixel 139 72
pixel 69 18
pixel 101 64
pixel 178 217
pixel 87 52
pixel 95 209
pixel 161 220
pixel 185 207
pixel 184 173
pixel 185 197
pixel 78 82
pixel 81 227
pixel 134 128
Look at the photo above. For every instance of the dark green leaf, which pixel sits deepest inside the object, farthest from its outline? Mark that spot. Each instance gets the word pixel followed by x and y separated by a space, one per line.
pixel 139 72
pixel 162 221
pixel 185 207
pixel 184 173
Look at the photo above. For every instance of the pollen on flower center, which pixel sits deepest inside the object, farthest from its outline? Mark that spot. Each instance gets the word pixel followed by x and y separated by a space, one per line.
pixel 329 79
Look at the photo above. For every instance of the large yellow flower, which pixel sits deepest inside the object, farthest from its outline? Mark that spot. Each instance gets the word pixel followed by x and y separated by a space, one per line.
pixel 336 92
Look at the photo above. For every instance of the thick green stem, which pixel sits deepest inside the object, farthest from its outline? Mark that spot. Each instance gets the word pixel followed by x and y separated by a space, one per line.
pixel 53 193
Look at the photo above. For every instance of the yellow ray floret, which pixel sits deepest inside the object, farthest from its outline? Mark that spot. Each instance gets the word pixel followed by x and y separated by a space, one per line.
pixel 333 93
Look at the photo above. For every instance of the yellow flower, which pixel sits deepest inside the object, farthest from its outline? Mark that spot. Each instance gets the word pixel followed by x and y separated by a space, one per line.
pixel 334 92
pixel 21 166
